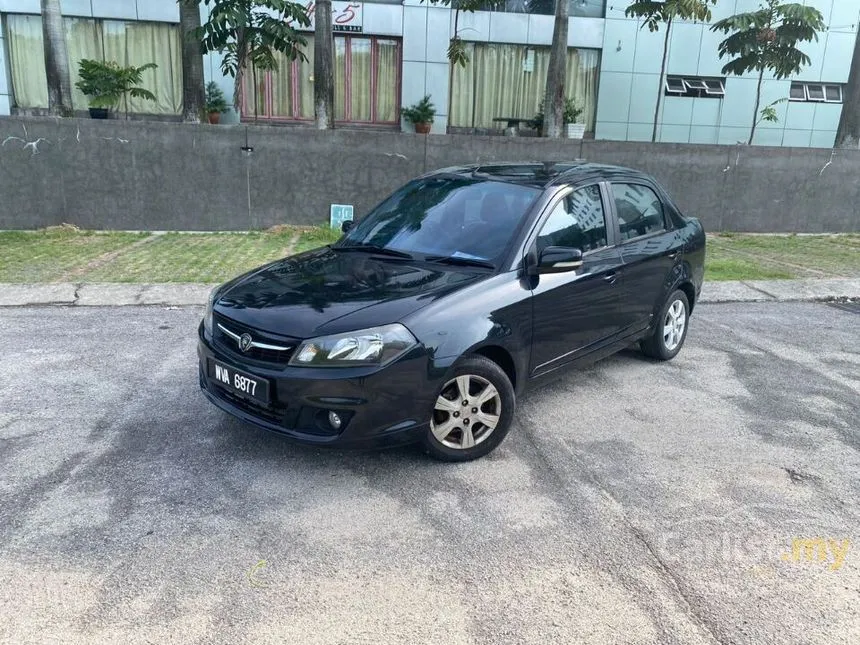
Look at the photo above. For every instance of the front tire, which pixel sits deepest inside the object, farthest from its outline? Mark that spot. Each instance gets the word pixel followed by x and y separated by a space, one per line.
pixel 473 411
pixel 670 330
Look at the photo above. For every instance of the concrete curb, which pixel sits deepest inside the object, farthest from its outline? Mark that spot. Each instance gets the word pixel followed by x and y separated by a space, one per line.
pixel 805 290
pixel 180 295
pixel 103 294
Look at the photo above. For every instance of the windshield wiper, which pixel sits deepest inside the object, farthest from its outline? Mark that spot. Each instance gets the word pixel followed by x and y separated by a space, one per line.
pixel 373 248
pixel 460 260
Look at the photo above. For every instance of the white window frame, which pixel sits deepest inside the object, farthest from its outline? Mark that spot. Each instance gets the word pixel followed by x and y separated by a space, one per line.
pixel 676 90
pixel 839 88
pixel 803 91
pixel 681 85
pixel 715 92
pixel 810 98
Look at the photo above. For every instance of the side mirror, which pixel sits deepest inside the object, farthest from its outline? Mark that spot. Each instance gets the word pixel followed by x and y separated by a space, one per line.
pixel 558 259
pixel 346 226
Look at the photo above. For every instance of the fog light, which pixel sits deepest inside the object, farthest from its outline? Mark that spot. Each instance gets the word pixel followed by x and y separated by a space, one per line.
pixel 334 420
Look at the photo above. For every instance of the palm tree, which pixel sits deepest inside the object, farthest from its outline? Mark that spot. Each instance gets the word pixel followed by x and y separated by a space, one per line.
pixel 193 98
pixel 553 121
pixel 56 59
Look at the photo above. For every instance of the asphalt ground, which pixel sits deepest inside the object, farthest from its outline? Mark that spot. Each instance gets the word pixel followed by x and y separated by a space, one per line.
pixel 632 502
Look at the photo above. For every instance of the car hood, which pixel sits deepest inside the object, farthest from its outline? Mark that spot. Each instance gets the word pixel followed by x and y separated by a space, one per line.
pixel 328 292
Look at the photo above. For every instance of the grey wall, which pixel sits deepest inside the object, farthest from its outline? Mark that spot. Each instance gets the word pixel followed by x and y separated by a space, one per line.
pixel 172 176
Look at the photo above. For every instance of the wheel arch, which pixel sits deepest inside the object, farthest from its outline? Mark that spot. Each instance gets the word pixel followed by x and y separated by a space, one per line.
pixel 501 357
pixel 689 291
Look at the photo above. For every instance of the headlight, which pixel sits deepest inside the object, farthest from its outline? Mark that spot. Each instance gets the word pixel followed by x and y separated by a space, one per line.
pixel 207 316
pixel 376 346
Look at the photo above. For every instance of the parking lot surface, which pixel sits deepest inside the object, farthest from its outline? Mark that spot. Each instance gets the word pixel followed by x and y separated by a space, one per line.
pixel 713 499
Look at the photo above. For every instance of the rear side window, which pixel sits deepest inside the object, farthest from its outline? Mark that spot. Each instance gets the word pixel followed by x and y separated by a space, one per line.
pixel 640 211
pixel 578 221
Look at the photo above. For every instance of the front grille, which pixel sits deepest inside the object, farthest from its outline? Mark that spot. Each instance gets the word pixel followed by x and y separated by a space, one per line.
pixel 249 406
pixel 304 420
pixel 264 355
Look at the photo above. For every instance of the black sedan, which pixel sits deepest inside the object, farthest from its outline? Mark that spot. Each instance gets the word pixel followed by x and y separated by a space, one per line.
pixel 455 295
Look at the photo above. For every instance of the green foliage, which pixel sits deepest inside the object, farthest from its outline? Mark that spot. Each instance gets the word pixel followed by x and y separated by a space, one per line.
pixel 422 112
pixel 106 83
pixel 251 31
pixel 768 112
pixel 655 13
pixel 571 111
pixel 570 115
pixel 457 52
pixel 215 101
pixel 767 39
pixel 456 49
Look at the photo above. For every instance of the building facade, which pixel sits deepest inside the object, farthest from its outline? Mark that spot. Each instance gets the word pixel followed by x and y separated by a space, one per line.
pixel 389 54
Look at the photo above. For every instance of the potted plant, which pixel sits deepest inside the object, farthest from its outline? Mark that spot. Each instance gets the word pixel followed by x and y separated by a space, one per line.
pixel 215 102
pixel 420 115
pixel 107 84
pixel 572 129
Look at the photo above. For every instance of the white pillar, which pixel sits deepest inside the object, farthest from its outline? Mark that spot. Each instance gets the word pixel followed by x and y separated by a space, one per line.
pixel 5 80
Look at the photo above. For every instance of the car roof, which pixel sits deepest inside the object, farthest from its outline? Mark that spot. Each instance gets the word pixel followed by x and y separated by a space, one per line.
pixel 541 174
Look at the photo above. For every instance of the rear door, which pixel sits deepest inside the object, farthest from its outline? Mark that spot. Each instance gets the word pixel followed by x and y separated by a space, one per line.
pixel 650 250
pixel 576 311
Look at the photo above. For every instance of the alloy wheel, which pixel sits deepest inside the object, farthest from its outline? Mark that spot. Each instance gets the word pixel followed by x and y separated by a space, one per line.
pixel 466 412
pixel 674 324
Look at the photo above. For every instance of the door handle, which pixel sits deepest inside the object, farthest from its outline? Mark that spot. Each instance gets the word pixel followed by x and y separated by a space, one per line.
pixel 611 278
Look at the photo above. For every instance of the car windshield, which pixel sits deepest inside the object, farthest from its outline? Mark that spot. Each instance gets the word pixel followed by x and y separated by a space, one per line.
pixel 447 217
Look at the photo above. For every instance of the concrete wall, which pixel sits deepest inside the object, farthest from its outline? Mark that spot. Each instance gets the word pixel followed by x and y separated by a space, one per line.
pixel 630 73
pixel 163 176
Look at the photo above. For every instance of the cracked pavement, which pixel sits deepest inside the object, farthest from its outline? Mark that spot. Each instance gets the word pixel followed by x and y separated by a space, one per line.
pixel 633 502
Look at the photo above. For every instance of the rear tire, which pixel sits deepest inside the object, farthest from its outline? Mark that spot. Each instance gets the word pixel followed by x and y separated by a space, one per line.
pixel 670 330
pixel 472 413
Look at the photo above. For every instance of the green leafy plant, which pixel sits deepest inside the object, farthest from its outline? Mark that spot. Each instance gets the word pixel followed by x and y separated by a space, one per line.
pixel 456 48
pixel 457 54
pixel 106 83
pixel 571 111
pixel 215 101
pixel 248 33
pixel 767 40
pixel 656 13
pixel 769 113
pixel 570 115
pixel 421 112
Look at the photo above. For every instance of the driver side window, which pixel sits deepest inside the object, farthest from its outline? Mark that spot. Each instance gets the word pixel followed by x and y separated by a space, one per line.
pixel 578 221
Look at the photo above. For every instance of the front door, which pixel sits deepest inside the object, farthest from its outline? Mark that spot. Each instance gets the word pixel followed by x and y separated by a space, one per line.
pixel 650 251
pixel 575 312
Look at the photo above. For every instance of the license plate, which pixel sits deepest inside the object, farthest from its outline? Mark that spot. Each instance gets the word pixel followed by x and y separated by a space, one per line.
pixel 240 383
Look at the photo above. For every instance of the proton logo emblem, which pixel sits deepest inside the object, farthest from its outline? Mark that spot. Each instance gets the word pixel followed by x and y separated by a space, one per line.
pixel 245 342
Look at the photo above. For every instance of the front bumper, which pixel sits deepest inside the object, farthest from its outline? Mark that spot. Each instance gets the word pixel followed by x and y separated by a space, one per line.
pixel 379 406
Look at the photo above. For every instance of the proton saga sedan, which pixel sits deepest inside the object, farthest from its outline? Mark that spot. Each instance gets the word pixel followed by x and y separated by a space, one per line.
pixel 458 293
